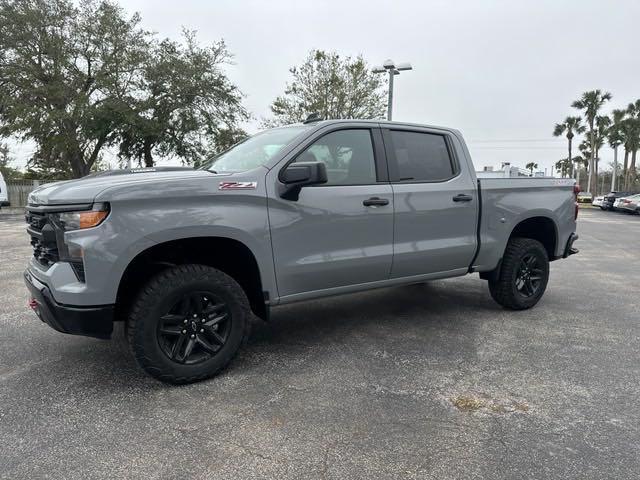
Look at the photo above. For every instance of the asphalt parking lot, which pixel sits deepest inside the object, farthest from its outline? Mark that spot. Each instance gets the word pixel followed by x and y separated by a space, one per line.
pixel 426 381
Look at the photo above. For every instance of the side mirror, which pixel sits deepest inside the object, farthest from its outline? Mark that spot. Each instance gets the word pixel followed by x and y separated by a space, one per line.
pixel 301 174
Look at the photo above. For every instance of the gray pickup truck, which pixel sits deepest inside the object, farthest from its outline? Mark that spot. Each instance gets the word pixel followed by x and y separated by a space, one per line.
pixel 188 257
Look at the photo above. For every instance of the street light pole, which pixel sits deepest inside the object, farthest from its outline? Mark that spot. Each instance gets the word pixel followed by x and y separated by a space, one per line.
pixel 393 69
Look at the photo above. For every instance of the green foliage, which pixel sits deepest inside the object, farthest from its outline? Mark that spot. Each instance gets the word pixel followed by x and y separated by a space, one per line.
pixel 78 77
pixel 65 72
pixel 333 87
pixel 531 166
pixel 570 125
pixel 564 167
pixel 591 103
pixel 185 105
pixel 630 128
pixel 614 132
pixel 8 172
pixel 580 161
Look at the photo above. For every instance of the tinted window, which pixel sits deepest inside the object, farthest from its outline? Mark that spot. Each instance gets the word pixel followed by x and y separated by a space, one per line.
pixel 348 155
pixel 421 157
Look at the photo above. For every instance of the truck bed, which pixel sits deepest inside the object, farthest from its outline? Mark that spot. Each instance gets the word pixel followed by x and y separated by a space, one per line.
pixel 505 202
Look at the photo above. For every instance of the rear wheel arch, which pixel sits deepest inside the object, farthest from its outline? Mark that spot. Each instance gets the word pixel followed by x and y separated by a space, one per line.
pixel 541 228
pixel 228 255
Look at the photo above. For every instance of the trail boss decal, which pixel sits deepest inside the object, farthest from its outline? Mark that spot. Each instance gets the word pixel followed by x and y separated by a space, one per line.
pixel 237 185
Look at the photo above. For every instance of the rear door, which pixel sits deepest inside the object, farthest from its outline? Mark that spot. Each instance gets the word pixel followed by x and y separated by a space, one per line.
pixel 435 202
pixel 334 235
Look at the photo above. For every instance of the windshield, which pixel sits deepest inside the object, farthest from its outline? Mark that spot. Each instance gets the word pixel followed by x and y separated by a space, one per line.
pixel 254 151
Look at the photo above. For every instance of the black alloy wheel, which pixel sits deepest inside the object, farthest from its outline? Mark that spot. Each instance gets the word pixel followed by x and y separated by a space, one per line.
pixel 187 323
pixel 523 274
pixel 195 328
pixel 529 276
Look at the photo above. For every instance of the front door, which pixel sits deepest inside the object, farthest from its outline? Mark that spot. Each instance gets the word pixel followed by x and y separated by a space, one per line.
pixel 334 235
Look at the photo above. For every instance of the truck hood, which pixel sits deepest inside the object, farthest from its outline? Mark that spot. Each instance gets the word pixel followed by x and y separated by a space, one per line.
pixel 85 189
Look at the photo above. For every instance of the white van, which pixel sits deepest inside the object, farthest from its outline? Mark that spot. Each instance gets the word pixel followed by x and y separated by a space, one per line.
pixel 4 194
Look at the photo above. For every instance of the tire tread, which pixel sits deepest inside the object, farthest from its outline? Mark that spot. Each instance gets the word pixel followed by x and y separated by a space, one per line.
pixel 157 288
pixel 502 289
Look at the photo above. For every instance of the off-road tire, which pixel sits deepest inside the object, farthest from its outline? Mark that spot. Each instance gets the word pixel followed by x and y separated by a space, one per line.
pixel 504 290
pixel 154 299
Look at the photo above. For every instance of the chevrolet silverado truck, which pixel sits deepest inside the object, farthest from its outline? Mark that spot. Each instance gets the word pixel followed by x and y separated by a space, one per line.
pixel 188 257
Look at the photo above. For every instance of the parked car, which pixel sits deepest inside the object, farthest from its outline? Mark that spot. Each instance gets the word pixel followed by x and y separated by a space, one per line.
pixel 188 257
pixel 628 204
pixel 597 202
pixel 585 197
pixel 4 194
pixel 610 198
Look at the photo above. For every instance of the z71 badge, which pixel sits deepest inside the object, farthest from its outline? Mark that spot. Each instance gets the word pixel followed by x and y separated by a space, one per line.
pixel 237 185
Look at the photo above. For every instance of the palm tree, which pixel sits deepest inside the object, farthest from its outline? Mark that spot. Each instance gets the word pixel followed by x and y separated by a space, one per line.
pixel 633 141
pixel 584 157
pixel 602 126
pixel 615 138
pixel 564 167
pixel 591 102
pixel 531 166
pixel 572 126
pixel 580 162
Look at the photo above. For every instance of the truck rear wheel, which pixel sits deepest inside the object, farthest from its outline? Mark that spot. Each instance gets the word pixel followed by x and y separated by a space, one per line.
pixel 187 323
pixel 523 275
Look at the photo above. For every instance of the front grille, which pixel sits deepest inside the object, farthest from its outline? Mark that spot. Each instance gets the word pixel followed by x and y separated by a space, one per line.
pixel 43 239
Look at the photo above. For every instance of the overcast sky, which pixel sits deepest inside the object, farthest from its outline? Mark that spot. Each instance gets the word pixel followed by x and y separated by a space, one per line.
pixel 501 71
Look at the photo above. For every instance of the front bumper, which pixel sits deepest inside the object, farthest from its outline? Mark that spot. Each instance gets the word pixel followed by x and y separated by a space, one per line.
pixel 87 321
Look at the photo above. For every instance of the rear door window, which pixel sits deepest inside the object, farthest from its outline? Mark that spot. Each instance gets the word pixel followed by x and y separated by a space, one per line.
pixel 420 157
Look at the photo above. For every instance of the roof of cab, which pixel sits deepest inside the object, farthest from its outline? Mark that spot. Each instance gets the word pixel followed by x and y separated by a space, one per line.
pixel 322 123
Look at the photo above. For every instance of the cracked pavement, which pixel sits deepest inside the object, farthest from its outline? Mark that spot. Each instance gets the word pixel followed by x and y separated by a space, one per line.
pixel 430 381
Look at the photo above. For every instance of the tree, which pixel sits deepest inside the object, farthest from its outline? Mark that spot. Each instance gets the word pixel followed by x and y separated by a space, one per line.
pixel 79 77
pixel 65 72
pixel 632 144
pixel 615 138
pixel 8 172
pixel 531 166
pixel 564 167
pixel 572 126
pixel 602 126
pixel 332 87
pixel 591 102
pixel 580 163
pixel 185 105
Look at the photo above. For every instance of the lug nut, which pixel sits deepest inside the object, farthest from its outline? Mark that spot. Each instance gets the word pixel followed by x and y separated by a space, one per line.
pixel 185 320
pixel 184 331
pixel 195 316
pixel 202 330
pixel 193 336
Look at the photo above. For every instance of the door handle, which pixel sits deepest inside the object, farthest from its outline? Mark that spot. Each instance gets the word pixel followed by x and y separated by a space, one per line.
pixel 375 202
pixel 462 197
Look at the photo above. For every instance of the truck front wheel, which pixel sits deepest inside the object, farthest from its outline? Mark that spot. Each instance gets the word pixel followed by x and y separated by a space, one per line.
pixel 187 323
pixel 523 275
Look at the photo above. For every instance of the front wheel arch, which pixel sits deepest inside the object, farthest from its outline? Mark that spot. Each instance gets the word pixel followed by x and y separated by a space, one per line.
pixel 227 255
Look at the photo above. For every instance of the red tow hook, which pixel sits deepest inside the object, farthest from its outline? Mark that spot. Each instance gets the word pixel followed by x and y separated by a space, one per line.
pixel 33 304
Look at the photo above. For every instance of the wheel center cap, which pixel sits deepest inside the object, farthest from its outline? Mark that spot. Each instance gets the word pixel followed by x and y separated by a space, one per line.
pixel 194 326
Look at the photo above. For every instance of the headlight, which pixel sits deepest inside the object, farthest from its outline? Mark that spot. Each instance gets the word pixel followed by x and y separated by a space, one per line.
pixel 83 219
